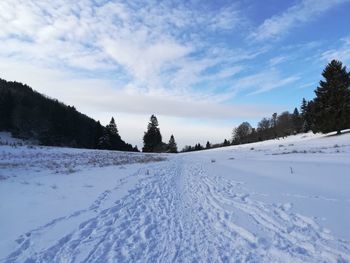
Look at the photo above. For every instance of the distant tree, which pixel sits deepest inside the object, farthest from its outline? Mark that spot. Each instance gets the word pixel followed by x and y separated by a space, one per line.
pixel 285 125
pixel 274 124
pixel 112 127
pixel 6 109
pixel 104 141
pixel 207 146
pixel 264 129
pixel 135 149
pixel 264 124
pixel 332 102
pixel 172 146
pixel 198 147
pixel 226 143
pixel 304 116
pixel 241 133
pixel 297 121
pixel 30 115
pixel 307 114
pixel 115 141
pixel 98 134
pixel 152 139
pixel 187 148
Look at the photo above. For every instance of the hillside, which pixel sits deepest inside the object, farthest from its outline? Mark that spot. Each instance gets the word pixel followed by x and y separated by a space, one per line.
pixel 284 200
pixel 31 115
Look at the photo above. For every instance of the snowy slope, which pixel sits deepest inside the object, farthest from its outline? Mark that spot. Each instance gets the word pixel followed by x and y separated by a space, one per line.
pixel 275 201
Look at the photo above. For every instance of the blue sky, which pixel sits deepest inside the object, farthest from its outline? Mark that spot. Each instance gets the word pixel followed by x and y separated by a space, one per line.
pixel 201 66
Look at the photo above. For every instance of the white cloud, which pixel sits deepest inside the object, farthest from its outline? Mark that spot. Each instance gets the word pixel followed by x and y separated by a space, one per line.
pixel 151 45
pixel 300 13
pixel 342 53
pixel 277 60
pixel 262 82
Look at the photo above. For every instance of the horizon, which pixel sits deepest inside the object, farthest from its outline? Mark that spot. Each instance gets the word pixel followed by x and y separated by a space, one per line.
pixel 201 68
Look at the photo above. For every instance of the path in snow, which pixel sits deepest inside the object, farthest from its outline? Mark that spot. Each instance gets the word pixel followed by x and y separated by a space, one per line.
pixel 177 212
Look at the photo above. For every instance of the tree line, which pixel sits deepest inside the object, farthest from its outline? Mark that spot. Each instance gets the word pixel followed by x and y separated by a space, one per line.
pixel 328 111
pixel 28 114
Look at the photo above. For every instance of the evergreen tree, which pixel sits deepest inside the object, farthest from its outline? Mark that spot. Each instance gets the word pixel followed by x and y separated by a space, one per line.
pixel 112 134
pixel 226 143
pixel 172 146
pixel 198 147
pixel 152 139
pixel 303 107
pixel 274 124
pixel 332 102
pixel 98 134
pixel 30 115
pixel 306 114
pixel 6 109
pixel 207 146
pixel 104 141
pixel 112 127
pixel 297 121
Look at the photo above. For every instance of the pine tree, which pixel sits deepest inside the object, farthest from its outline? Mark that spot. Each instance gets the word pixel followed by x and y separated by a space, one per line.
pixel 98 134
pixel 297 121
pixel 104 141
pixel 112 127
pixel 307 116
pixel 115 140
pixel 135 149
pixel 208 145
pixel 172 146
pixel 198 147
pixel 304 116
pixel 274 124
pixel 6 109
pixel 226 143
pixel 332 102
pixel 152 139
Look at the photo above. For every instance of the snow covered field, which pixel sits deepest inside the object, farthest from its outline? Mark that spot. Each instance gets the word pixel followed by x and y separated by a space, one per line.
pixel 275 201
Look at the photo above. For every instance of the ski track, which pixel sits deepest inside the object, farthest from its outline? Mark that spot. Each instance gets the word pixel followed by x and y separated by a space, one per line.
pixel 179 213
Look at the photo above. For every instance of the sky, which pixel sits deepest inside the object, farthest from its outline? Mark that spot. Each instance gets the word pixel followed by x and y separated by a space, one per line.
pixel 202 67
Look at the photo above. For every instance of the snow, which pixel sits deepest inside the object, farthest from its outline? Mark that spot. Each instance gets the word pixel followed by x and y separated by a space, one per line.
pixel 284 200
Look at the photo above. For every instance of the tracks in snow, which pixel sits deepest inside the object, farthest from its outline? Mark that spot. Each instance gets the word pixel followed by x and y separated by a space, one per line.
pixel 247 230
pixel 178 213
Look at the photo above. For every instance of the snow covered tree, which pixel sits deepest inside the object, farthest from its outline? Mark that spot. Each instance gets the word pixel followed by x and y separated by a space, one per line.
pixel 332 102
pixel 172 146
pixel 152 139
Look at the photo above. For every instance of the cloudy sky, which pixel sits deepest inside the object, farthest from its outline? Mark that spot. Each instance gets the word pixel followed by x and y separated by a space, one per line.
pixel 201 66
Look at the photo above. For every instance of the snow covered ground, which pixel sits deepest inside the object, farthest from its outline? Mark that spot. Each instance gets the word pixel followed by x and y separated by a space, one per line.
pixel 275 201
